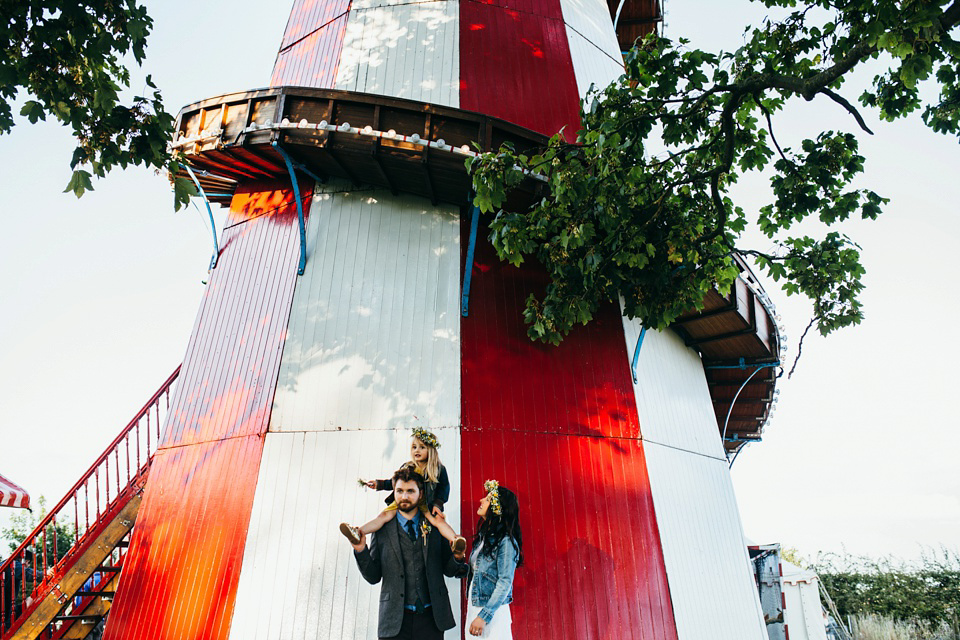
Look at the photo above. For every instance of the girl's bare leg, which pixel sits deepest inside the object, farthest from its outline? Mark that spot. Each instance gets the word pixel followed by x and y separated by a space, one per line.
pixel 378 522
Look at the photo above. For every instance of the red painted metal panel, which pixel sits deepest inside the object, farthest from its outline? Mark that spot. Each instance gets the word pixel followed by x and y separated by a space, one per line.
pixel 582 386
pixel 180 578
pixel 233 357
pixel 306 16
pixel 559 425
pixel 188 543
pixel 515 64
pixel 312 59
pixel 593 562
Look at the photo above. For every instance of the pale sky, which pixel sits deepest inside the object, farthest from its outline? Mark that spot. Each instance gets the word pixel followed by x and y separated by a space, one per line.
pixel 99 296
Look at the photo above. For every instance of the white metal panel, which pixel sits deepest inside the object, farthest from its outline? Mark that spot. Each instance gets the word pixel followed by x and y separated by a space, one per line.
pixel 591 19
pixel 374 333
pixel 803 613
pixel 299 578
pixel 403 50
pixel 673 399
pixel 591 65
pixel 708 569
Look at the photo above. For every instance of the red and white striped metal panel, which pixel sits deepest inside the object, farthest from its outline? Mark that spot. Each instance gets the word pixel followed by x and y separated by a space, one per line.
pixel 181 575
pixel 13 495
pixel 630 520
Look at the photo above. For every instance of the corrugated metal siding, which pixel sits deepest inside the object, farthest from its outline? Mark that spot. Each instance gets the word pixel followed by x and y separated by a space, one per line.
pixel 591 65
pixel 230 369
pixel 312 59
pixel 714 595
pixel 673 400
pixel 515 64
pixel 299 576
pixel 593 565
pixel 406 51
pixel 510 383
pixel 374 337
pixel 181 574
pixel 532 415
pixel 306 16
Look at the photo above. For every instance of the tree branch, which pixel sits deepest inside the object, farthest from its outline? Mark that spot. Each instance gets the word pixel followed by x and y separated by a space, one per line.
pixel 839 99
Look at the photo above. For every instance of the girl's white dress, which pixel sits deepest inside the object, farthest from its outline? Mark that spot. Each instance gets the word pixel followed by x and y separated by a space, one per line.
pixel 499 628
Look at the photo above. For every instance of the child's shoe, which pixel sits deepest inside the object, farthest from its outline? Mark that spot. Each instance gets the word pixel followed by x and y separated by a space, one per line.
pixel 459 547
pixel 351 532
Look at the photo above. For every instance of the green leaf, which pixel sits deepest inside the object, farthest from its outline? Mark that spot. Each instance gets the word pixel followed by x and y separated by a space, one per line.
pixel 79 183
pixel 33 110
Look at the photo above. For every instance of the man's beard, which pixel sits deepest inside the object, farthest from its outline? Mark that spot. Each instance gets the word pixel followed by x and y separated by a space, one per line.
pixel 406 506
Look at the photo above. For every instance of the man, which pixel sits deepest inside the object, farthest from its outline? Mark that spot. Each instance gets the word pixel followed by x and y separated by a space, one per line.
pixel 411 558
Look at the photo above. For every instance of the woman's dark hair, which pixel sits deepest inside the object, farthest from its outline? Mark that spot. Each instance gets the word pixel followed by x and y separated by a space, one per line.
pixel 495 527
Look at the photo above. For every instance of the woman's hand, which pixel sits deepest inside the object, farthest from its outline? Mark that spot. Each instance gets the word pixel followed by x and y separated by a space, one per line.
pixel 477 626
pixel 372 484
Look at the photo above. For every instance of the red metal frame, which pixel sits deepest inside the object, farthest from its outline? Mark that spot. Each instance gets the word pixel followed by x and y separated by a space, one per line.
pixel 142 431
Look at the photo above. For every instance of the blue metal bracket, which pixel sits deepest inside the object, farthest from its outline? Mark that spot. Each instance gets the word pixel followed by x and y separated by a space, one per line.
pixel 296 194
pixel 213 225
pixel 468 267
pixel 636 354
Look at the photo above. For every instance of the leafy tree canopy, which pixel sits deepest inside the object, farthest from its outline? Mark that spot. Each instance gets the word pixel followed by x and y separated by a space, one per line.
pixel 639 204
pixel 68 58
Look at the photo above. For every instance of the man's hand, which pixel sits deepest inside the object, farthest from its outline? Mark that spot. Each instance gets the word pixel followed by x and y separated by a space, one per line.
pixel 438 513
pixel 363 543
pixel 477 626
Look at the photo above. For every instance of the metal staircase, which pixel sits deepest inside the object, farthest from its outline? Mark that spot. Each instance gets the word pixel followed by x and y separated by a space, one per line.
pixel 51 588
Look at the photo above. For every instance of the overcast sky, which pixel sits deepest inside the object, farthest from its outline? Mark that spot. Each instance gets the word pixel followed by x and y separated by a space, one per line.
pixel 99 296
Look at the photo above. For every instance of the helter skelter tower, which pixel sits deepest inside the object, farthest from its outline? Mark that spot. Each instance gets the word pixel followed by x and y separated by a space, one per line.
pixel 355 295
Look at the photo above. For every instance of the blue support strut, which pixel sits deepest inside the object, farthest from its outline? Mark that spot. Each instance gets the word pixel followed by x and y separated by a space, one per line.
pixel 468 268
pixel 296 194
pixel 213 225
pixel 636 354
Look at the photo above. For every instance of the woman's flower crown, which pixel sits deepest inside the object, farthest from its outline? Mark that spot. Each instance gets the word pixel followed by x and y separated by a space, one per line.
pixel 426 437
pixel 492 487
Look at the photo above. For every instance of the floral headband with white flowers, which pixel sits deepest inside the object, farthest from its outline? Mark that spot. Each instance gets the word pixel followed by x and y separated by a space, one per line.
pixel 426 437
pixel 492 487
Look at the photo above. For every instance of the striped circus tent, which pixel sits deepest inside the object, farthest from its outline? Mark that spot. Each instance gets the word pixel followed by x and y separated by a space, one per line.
pixel 12 495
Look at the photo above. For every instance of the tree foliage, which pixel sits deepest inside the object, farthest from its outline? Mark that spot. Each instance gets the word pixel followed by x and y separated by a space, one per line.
pixel 639 205
pixel 69 58
pixel 60 536
pixel 927 591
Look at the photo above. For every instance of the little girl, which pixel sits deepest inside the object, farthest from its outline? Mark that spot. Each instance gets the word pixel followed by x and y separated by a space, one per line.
pixel 425 459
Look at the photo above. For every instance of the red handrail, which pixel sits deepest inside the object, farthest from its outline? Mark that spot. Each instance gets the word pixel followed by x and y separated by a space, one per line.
pixel 22 577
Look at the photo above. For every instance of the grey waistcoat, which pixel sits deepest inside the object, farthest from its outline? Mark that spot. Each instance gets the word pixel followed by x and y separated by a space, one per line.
pixel 414 569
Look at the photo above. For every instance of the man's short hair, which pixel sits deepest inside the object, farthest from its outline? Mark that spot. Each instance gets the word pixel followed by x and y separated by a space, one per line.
pixel 407 473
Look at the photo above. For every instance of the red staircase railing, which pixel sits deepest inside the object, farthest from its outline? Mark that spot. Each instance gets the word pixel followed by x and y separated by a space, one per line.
pixel 37 565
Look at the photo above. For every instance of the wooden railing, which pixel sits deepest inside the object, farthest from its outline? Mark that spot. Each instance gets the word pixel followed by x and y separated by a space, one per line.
pixel 37 565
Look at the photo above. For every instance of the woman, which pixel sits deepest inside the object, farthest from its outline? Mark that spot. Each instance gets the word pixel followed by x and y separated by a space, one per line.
pixel 497 551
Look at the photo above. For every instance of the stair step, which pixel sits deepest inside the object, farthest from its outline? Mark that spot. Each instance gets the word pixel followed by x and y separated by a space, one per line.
pixel 87 619
pixel 106 595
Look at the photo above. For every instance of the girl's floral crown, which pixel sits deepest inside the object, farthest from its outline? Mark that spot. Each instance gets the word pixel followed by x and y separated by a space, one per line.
pixel 426 437
pixel 492 487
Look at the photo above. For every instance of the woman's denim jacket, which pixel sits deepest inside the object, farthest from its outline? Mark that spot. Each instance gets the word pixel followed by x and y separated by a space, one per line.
pixel 493 581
